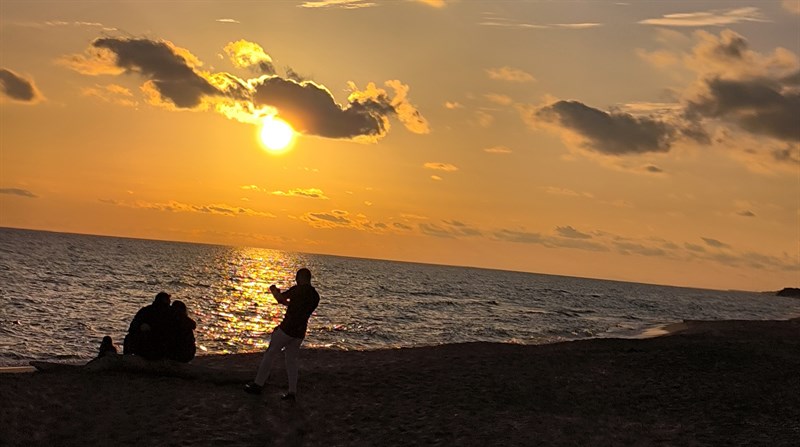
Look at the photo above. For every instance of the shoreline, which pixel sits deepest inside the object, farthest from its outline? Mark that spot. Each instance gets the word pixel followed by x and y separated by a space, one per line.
pixel 651 331
pixel 708 383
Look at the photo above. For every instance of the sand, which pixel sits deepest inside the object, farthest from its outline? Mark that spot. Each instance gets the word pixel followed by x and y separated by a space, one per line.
pixel 707 383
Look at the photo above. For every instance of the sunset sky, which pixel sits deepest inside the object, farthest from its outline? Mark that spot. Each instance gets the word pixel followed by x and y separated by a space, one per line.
pixel 647 141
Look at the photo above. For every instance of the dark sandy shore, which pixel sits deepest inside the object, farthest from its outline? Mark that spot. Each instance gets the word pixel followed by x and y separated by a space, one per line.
pixel 711 383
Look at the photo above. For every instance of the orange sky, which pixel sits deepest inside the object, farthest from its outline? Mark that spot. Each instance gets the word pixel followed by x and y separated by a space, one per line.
pixel 641 141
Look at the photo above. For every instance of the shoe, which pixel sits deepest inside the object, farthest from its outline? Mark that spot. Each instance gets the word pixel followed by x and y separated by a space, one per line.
pixel 253 388
pixel 289 396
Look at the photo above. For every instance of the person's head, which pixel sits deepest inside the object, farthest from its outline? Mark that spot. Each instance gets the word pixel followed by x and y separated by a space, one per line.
pixel 162 299
pixel 107 341
pixel 179 308
pixel 303 276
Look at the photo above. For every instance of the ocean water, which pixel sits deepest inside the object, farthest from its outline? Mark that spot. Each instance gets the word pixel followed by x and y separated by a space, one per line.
pixel 61 293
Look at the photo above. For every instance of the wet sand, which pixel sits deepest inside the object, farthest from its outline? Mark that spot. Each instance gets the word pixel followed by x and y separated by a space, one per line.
pixel 706 383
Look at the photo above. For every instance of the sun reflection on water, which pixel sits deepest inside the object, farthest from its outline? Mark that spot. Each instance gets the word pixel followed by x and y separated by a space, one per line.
pixel 242 313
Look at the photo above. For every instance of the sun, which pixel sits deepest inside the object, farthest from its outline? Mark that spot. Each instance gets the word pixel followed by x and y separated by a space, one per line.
pixel 276 134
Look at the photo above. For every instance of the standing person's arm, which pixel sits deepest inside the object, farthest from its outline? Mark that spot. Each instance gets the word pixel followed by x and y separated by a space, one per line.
pixel 279 296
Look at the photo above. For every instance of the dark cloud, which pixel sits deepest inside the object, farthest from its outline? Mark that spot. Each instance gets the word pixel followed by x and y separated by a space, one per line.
pixel 330 217
pixel 653 169
pixel 18 192
pixel 694 247
pixel 311 108
pixel 746 213
pixel 714 243
pixel 760 106
pixel 308 106
pixel 16 87
pixel 792 79
pixel 570 232
pixel 171 73
pixel 402 226
pixel 610 133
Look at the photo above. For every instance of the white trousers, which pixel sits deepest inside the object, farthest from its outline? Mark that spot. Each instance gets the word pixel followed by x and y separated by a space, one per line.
pixel 278 342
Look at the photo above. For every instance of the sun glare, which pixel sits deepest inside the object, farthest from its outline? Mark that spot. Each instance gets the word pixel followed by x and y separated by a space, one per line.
pixel 276 134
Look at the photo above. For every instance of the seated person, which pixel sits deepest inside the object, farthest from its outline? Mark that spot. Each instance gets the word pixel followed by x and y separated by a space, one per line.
pixel 107 347
pixel 181 346
pixel 148 332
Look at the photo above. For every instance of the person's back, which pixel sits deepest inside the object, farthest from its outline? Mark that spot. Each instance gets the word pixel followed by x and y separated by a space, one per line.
pixel 147 333
pixel 303 300
pixel 181 343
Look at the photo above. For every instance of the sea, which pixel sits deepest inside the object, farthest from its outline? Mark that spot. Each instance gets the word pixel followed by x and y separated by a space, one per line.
pixel 61 293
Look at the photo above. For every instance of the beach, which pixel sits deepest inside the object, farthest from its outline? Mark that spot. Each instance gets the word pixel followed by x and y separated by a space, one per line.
pixel 704 383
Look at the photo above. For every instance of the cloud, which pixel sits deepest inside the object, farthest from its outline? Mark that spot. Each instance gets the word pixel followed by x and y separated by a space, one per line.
pixel 402 226
pixel 497 98
pixel 449 229
pixel 739 86
pixel 497 150
pixel 694 247
pixel 611 133
pixel 714 243
pixel 451 105
pixel 446 167
pixel 17 87
pixel 653 169
pixel 509 74
pixel 572 233
pixel 18 192
pixel 250 55
pixel 526 237
pixel 436 178
pixel 111 93
pixel 566 192
pixel 76 23
pixel 334 218
pixel 178 207
pixel 627 248
pixel 483 119
pixel 311 109
pixel 503 22
pixel 708 18
pixel 760 106
pixel 227 21
pixel 170 70
pixel 793 6
pixel 174 78
pixel 310 193
pixel 746 213
pixel 345 4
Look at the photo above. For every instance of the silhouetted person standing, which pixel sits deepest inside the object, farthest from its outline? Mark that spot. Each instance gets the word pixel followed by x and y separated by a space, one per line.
pixel 180 344
pixel 147 334
pixel 300 301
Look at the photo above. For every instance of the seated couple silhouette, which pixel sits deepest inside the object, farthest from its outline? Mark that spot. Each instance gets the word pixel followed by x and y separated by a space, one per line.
pixel 159 331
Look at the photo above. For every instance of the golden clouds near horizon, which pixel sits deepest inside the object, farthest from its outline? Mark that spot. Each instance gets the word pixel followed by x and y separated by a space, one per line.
pixel 276 135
